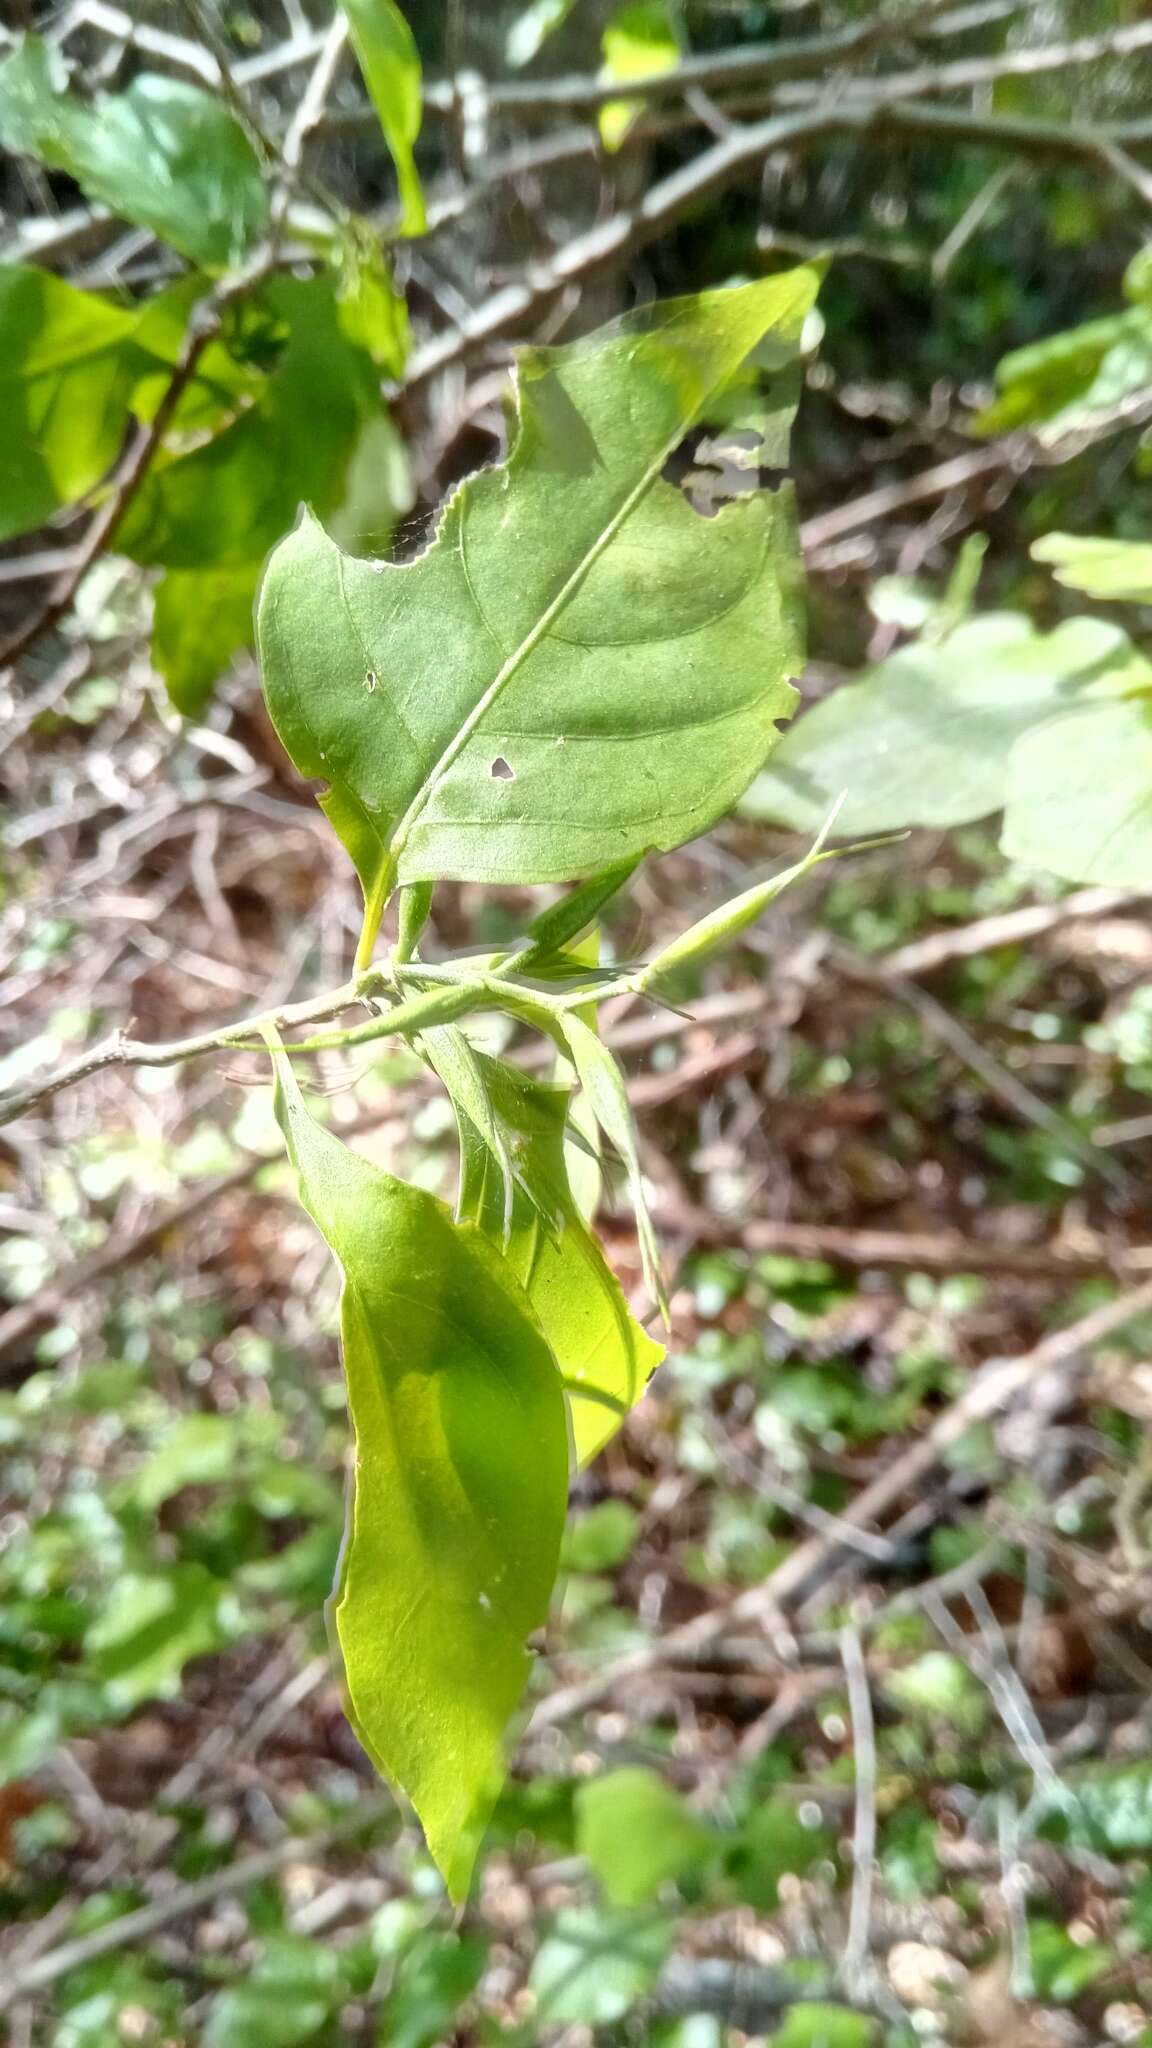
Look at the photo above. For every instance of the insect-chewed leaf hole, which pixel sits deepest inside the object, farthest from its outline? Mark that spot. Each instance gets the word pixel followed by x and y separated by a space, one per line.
pixel 502 770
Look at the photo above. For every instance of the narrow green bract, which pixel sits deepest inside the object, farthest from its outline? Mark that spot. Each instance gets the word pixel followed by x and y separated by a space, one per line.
pixel 579 667
pixel 459 1490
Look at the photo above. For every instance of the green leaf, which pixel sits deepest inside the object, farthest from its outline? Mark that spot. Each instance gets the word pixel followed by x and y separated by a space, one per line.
pixel 940 1687
pixel 1106 1807
pixel 200 619
pixel 814 2025
pixel 292 1992
pixel 603 1083
pixel 68 370
pixel 592 1967
pixel 494 741
pixel 639 41
pixel 1061 381
pixel 152 1624
pixel 164 154
pixel 1063 1968
pixel 924 739
pixel 1079 796
pixel 436 1975
pixel 638 1834
pixel 775 1843
pixel 460 1482
pixel 388 57
pixel 532 28
pixel 223 503
pixel 555 928
pixel 605 1358
pixel 1102 568
pixel 721 926
pixel 600 1539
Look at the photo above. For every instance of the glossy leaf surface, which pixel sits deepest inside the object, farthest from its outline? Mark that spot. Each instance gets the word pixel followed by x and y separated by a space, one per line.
pixel 579 666
pixel 460 1484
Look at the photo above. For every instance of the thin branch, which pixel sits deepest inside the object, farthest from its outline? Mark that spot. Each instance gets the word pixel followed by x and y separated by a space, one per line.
pixel 856 1966
pixel 146 1921
pixel 745 149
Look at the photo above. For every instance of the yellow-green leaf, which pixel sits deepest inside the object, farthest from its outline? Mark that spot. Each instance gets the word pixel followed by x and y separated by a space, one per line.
pixel 390 61
pixel 459 1488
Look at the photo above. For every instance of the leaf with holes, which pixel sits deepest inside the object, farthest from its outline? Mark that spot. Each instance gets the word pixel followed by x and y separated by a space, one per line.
pixel 579 667
pixel 460 1483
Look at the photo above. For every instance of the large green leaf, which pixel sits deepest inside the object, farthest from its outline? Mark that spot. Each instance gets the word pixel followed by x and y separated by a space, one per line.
pixel 924 739
pixel 460 1483
pixel 579 666
pixel 605 1358
pixel 164 154
pixel 390 61
pixel 69 365
pixel 1079 797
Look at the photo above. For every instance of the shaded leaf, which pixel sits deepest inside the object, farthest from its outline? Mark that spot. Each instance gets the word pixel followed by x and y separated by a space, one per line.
pixel 285 1999
pixel 924 738
pixel 461 1475
pixel 223 503
pixel 1079 796
pixel 503 647
pixel 637 1833
pixel 164 154
pixel 592 1967
pixel 390 61
pixel 200 619
pixel 603 1083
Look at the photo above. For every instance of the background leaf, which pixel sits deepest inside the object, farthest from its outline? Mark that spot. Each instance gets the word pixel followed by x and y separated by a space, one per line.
pixel 164 154
pixel 1079 796
pixel 924 739
pixel 390 61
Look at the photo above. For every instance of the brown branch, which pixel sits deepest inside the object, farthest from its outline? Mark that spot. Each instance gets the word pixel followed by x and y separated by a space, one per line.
pixel 664 204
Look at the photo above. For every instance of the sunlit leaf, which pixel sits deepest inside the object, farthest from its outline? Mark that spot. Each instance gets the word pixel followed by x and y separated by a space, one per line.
pixel 460 1484
pixel 1103 568
pixel 390 61
pixel 1079 795
pixel 68 370
pixel 639 41
pixel 579 666
pixel 165 154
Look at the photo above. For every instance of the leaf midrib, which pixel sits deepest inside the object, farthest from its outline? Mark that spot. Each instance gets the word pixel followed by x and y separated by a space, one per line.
pixel 532 639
